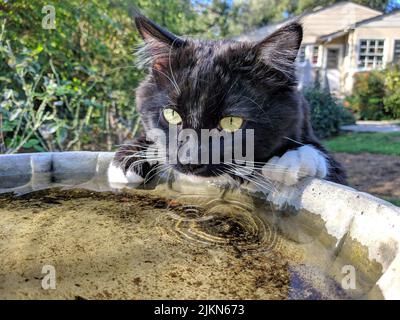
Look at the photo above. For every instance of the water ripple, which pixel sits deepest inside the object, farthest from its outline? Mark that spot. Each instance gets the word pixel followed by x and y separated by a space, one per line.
pixel 223 223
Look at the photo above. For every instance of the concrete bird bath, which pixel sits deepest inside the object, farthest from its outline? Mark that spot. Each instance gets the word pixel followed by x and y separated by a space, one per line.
pixel 346 241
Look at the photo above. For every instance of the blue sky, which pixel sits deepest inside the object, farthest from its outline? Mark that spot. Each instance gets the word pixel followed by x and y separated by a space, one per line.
pixel 394 3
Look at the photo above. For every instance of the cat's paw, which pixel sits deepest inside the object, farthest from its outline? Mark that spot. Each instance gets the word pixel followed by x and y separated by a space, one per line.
pixel 306 161
pixel 117 177
pixel 129 165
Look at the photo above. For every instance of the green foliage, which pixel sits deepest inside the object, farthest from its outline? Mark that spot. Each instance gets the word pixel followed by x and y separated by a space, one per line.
pixel 376 94
pixel 250 14
pixel 82 72
pixel 368 93
pixel 394 201
pixel 376 142
pixel 391 100
pixel 72 86
pixel 327 114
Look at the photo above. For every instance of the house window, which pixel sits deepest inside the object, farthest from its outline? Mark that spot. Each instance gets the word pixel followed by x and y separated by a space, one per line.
pixel 396 53
pixel 371 54
pixel 332 58
pixel 314 57
pixel 301 56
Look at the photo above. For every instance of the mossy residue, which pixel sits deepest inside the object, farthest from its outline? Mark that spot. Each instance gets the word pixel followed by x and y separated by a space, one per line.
pixel 106 245
pixel 144 245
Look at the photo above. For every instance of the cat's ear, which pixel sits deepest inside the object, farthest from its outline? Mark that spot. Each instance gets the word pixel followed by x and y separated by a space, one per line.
pixel 159 42
pixel 279 50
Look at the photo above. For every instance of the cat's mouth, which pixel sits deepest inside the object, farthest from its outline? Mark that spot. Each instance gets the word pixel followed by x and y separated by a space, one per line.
pixel 219 179
pixel 200 170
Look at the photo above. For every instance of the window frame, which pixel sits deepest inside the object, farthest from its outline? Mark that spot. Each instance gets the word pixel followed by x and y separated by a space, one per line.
pixel 375 64
pixel 301 54
pixel 315 63
pixel 394 51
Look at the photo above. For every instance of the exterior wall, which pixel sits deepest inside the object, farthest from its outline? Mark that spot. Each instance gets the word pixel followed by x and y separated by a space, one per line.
pixel 319 22
pixel 334 18
pixel 341 44
pixel 350 46
pixel 354 22
pixel 388 34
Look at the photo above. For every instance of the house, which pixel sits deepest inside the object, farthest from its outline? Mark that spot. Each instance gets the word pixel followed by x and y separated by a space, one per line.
pixel 341 40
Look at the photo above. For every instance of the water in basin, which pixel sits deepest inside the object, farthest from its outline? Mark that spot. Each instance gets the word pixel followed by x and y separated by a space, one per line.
pixel 162 244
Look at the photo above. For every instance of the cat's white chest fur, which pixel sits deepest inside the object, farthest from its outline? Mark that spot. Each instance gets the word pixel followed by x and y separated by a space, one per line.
pixel 117 178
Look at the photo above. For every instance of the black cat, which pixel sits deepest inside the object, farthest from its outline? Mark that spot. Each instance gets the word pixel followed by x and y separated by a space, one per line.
pixel 225 85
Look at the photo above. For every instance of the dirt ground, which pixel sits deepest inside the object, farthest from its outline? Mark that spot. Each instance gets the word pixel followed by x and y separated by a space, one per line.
pixel 373 173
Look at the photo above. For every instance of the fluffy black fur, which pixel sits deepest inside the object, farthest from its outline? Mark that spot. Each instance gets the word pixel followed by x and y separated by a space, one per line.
pixel 207 80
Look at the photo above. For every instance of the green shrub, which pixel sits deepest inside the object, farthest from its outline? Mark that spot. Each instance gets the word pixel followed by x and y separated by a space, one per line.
pixel 368 94
pixel 376 94
pixel 327 114
pixel 391 100
pixel 347 117
pixel 72 87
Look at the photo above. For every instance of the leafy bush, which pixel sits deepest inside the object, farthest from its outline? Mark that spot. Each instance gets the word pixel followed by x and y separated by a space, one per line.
pixel 368 93
pixel 72 87
pixel 376 94
pixel 392 99
pixel 327 114
pixel 67 88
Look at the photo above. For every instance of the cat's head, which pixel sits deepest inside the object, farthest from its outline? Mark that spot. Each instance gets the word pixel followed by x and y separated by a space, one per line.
pixel 202 84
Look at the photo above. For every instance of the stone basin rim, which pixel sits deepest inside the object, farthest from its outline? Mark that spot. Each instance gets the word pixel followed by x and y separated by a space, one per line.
pixel 346 212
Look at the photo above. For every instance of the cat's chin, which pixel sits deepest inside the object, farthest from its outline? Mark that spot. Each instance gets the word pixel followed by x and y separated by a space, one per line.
pixel 220 180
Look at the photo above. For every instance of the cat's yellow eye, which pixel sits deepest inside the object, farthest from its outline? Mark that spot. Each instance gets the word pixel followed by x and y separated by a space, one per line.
pixel 231 124
pixel 172 116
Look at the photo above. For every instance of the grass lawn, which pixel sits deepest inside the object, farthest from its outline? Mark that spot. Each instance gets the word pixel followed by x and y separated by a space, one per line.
pixel 373 143
pixel 396 202
pixel 376 142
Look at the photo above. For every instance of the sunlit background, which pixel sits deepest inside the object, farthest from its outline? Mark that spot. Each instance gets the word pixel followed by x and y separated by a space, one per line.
pixel 68 77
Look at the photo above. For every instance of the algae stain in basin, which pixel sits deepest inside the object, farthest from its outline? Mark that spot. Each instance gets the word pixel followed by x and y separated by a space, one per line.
pixel 150 245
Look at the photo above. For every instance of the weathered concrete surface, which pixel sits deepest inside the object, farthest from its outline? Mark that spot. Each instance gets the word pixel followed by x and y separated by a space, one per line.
pixel 349 216
pixel 23 173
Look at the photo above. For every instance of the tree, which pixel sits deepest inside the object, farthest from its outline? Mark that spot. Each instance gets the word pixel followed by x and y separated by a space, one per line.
pixel 393 5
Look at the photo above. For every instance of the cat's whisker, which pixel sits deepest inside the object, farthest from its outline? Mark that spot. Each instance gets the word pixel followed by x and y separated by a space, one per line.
pixel 270 166
pixel 262 183
pixel 254 102
pixel 176 87
pixel 133 165
pixel 144 146
pixel 167 169
pixel 295 141
pixel 254 174
pixel 155 168
pixel 170 68
pixel 145 155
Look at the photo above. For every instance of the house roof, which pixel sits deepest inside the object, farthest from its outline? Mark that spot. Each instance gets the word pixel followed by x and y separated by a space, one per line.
pixel 366 22
pixel 394 13
pixel 319 21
